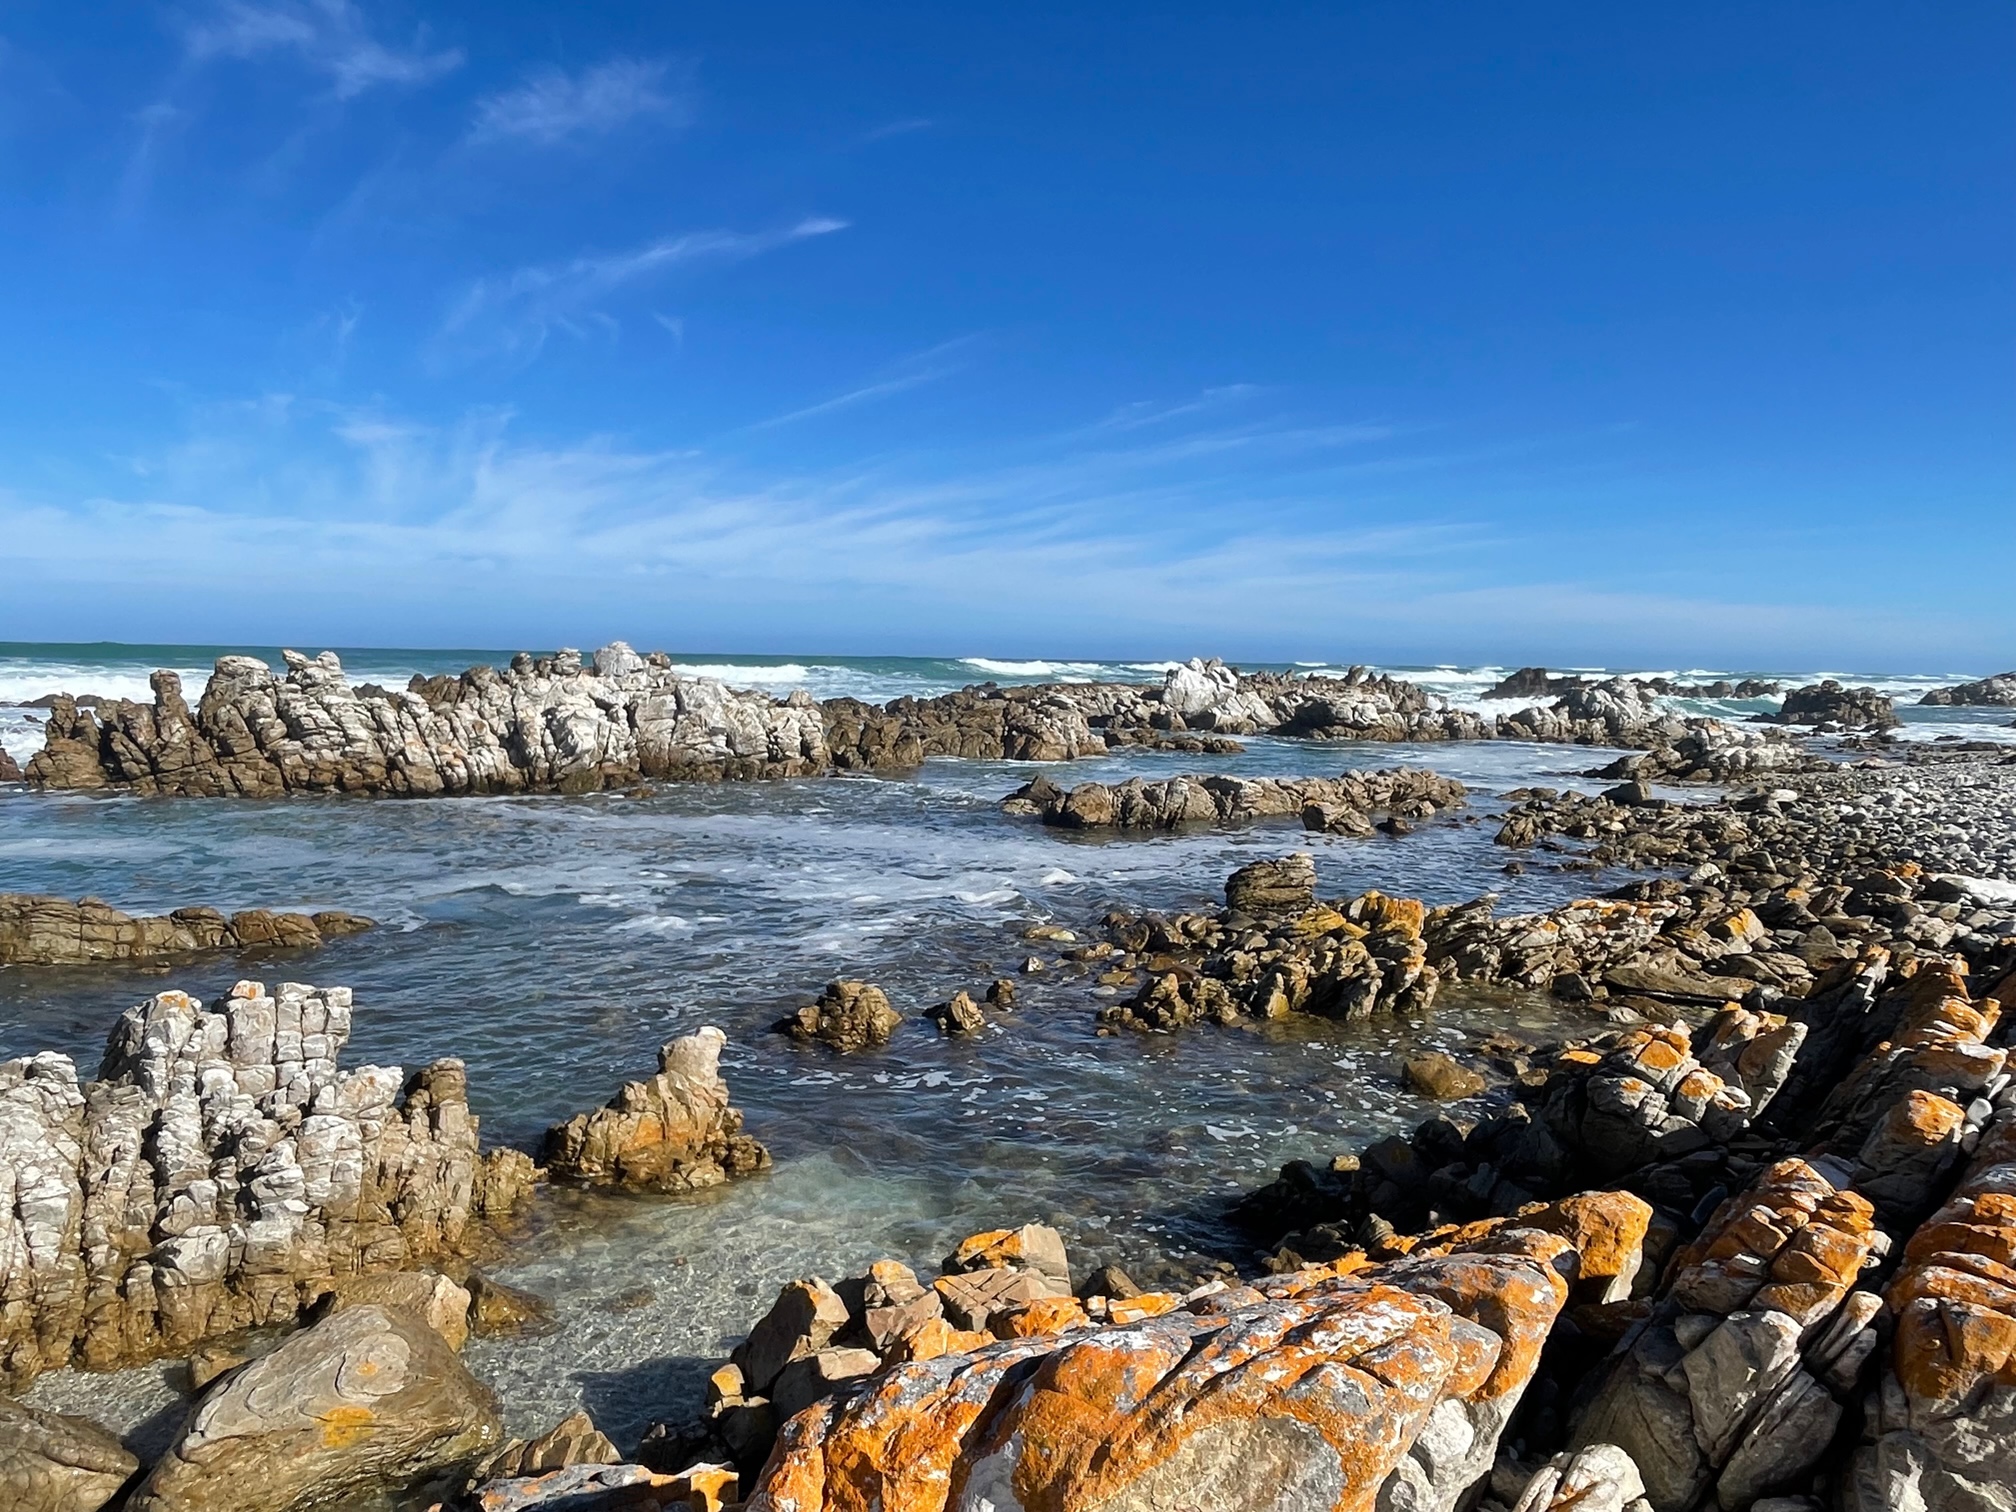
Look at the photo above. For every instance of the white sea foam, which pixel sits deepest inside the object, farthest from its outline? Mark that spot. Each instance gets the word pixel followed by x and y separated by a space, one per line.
pixel 1032 668
pixel 737 672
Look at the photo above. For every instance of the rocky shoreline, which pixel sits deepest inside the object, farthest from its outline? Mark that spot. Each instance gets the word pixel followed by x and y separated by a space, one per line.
pixel 564 725
pixel 1747 1241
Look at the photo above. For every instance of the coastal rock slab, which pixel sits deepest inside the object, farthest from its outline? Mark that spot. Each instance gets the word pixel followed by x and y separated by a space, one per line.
pixel 367 1399
pixel 43 931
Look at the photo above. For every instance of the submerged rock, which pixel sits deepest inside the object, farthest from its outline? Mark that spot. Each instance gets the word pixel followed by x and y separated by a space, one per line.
pixel 848 1016
pixel 673 1133
pixel 43 931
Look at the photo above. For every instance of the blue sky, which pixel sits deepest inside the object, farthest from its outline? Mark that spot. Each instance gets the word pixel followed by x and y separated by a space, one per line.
pixel 1418 332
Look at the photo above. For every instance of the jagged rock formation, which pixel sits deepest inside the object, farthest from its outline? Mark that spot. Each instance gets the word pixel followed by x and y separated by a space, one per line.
pixel 1340 805
pixel 218 1173
pixel 368 1399
pixel 1998 691
pixel 555 724
pixel 1360 957
pixel 545 724
pixel 1829 703
pixel 673 1133
pixel 43 931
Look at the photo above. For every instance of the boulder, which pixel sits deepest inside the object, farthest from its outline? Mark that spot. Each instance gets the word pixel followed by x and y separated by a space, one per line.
pixel 368 1399
pixel 427 1295
pixel 1441 1077
pixel 1285 885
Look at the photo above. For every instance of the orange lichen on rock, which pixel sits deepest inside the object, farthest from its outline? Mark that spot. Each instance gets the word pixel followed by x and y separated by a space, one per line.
pixel 1791 1242
pixel 1308 1400
pixel 1044 1316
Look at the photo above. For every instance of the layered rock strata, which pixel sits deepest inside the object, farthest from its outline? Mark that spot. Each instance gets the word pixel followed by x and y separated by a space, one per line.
pixel 218 1173
pixel 673 1133
pixel 44 931
pixel 1338 805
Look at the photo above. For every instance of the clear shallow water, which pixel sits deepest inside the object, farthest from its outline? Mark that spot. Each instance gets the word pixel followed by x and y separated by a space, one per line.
pixel 553 943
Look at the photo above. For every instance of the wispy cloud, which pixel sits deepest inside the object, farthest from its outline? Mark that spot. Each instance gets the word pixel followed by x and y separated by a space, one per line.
pixel 329 37
pixel 912 372
pixel 511 316
pixel 552 106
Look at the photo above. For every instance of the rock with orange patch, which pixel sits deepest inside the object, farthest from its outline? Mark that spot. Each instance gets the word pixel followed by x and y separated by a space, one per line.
pixel 1905 1160
pixel 1715 1390
pixel 1142 1306
pixel 672 1133
pixel 1356 1389
pixel 1044 1316
pixel 369 1398
pixel 1033 1247
pixel 1940 1432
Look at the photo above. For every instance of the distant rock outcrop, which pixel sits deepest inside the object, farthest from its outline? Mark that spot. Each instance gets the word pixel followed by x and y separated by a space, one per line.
pixel 559 724
pixel 43 931
pixel 1998 691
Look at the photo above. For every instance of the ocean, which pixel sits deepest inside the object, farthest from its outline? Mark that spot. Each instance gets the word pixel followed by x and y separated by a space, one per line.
pixel 553 943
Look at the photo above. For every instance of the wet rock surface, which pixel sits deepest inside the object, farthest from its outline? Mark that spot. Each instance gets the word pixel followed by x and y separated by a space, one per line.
pixel 846 1016
pixel 43 931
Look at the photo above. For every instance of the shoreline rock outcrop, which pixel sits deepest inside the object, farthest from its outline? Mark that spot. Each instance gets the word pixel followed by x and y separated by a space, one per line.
pixel 1337 805
pixel 219 1173
pixel 673 1133
pixel 1998 691
pixel 1829 703
pixel 559 724
pixel 43 931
